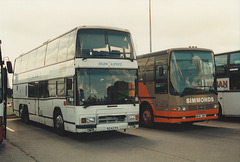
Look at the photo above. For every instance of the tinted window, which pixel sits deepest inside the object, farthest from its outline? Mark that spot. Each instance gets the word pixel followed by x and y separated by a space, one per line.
pixel 235 60
pixel 142 69
pixel 43 89
pixel 221 65
pixel 161 74
pixel 32 89
pixel 150 69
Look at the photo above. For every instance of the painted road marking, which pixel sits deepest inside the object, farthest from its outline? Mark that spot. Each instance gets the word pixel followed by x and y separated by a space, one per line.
pixel 10 129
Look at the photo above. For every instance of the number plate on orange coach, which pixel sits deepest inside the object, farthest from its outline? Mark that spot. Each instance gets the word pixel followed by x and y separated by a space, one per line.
pixel 201 116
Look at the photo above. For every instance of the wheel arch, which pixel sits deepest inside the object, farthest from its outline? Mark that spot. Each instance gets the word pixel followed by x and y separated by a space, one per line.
pixel 220 108
pixel 57 110
pixel 144 103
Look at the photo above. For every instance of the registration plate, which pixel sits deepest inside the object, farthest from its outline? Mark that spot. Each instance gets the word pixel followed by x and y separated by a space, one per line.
pixel 112 128
pixel 201 116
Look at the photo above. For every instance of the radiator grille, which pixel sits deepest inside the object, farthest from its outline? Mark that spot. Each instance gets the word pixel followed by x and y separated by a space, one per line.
pixel 111 119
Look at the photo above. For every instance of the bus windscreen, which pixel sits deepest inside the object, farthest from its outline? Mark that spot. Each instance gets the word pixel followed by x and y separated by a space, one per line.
pixel 191 72
pixel 97 43
pixel 106 86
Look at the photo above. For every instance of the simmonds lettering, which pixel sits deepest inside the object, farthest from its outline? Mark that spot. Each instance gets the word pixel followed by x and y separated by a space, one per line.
pixel 199 100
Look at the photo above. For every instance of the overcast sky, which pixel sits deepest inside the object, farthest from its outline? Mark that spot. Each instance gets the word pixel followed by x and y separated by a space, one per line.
pixel 214 24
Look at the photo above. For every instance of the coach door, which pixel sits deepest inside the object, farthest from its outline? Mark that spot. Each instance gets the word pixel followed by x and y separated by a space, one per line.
pixel 33 99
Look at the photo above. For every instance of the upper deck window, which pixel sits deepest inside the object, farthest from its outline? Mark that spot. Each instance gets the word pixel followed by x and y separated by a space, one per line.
pixel 102 43
pixel 235 60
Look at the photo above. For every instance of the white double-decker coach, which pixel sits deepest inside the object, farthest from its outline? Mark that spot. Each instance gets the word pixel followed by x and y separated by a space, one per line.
pixel 82 81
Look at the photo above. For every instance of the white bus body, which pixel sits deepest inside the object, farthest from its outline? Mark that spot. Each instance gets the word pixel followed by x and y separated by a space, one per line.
pixel 228 82
pixel 58 93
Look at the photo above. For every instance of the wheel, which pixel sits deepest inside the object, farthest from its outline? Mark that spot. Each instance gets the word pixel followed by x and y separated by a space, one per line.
pixel 146 118
pixel 24 115
pixel 59 123
pixel 220 116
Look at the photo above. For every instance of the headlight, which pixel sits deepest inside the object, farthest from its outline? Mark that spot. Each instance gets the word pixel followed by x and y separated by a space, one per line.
pixel 133 117
pixel 179 108
pixel 88 120
pixel 216 106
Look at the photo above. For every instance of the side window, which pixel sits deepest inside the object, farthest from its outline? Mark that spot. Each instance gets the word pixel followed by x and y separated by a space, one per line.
pixel 43 89
pixel 150 69
pixel 24 63
pixel 18 62
pixel 142 69
pixel 69 87
pixel 61 87
pixel 52 88
pixel 234 81
pixel 32 89
pixel 221 65
pixel 235 60
pixel 234 71
pixel 40 57
pixel 63 46
pixel 52 51
pixel 161 74
pixel 31 60
pixel 71 45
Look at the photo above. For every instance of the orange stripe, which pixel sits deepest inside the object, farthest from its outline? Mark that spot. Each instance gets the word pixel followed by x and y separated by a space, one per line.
pixel 185 113
pixel 163 116
pixel 166 120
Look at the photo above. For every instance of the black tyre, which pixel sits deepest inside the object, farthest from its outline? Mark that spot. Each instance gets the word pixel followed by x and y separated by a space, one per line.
pixel 25 115
pixel 220 116
pixel 146 118
pixel 59 123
